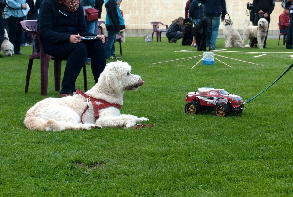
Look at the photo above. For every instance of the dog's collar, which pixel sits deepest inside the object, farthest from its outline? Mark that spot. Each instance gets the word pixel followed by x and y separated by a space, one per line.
pixel 103 104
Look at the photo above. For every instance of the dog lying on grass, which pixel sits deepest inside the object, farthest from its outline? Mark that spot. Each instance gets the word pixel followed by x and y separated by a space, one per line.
pixel 98 107
pixel 7 47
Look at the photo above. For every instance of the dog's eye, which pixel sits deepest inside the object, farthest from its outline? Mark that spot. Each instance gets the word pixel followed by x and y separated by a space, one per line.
pixel 128 73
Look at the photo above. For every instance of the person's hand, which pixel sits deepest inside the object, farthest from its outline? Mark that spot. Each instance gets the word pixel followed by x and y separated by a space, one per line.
pixel 23 6
pixel 75 38
pixel 101 37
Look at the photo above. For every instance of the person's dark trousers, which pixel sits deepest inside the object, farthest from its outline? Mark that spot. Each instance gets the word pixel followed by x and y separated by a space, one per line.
pixel 76 54
pixel 1 29
pixel 290 33
pixel 14 31
pixel 256 23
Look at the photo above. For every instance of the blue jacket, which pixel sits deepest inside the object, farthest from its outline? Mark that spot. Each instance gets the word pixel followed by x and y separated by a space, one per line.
pixel 13 8
pixel 87 3
pixel 114 20
pixel 196 10
pixel 214 8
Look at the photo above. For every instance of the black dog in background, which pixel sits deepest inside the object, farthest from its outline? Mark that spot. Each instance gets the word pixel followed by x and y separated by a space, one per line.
pixel 187 32
pixel 199 31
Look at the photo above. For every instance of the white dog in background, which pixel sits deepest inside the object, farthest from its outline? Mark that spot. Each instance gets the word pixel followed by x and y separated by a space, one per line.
pixel 98 107
pixel 7 47
pixel 259 32
pixel 232 36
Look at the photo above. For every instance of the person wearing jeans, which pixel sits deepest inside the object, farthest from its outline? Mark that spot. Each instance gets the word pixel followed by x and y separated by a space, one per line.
pixel 212 31
pixel 13 14
pixel 114 23
pixel 214 10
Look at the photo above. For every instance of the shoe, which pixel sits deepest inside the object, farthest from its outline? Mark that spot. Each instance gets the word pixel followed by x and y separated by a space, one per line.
pixel 114 58
pixel 18 53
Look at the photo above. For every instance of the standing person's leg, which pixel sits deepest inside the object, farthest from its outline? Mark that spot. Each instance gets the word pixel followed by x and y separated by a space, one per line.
pixel 209 31
pixel 18 36
pixel 96 51
pixel 265 42
pixel 1 29
pixel 253 43
pixel 11 29
pixel 290 33
pixel 110 46
pixel 215 29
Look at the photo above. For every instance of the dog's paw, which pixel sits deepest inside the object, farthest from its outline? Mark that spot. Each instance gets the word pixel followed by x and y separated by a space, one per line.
pixel 87 126
pixel 142 119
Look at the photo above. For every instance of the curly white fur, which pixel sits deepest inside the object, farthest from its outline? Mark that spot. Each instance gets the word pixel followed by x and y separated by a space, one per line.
pixel 56 114
pixel 233 38
pixel 7 47
pixel 259 32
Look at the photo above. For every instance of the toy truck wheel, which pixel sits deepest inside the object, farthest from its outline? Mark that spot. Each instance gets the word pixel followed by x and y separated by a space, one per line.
pixel 192 108
pixel 222 110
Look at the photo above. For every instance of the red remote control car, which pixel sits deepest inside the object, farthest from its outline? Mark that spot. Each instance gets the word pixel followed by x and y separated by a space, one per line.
pixel 217 100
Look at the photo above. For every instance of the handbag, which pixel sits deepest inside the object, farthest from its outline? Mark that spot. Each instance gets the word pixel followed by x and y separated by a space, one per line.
pixel 91 14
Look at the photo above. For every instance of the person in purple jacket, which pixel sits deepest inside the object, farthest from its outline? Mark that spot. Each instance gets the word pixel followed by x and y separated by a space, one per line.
pixel 214 11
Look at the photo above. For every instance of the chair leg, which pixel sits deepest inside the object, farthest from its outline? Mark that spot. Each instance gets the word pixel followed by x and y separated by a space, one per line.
pixel 28 74
pixel 158 36
pixel 84 78
pixel 57 74
pixel 120 44
pixel 44 73
pixel 153 36
pixel 279 39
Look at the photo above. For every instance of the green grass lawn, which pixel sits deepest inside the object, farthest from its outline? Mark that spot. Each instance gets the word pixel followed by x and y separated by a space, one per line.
pixel 183 155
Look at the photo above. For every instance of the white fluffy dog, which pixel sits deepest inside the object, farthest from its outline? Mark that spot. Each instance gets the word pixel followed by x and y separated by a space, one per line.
pixel 7 47
pixel 233 38
pixel 259 32
pixel 98 107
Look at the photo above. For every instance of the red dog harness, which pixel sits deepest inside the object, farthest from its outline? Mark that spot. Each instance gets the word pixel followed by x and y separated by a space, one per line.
pixel 103 104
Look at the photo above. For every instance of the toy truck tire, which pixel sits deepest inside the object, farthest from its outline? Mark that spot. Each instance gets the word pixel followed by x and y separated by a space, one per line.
pixel 222 110
pixel 192 108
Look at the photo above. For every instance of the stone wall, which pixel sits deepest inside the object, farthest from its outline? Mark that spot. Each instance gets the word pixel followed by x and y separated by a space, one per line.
pixel 139 14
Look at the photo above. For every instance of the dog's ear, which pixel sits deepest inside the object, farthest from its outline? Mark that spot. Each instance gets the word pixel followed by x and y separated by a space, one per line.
pixel 113 80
